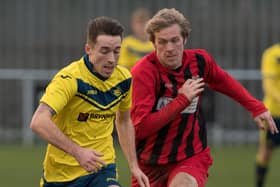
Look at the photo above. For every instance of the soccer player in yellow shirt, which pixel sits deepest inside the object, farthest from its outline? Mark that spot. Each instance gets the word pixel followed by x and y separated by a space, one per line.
pixel 77 111
pixel 136 45
pixel 271 85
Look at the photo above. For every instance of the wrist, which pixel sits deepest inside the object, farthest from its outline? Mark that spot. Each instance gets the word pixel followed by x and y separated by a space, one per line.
pixel 183 99
pixel 74 151
pixel 133 166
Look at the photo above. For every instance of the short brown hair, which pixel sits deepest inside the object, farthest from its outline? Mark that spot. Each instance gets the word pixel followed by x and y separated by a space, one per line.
pixel 165 18
pixel 103 25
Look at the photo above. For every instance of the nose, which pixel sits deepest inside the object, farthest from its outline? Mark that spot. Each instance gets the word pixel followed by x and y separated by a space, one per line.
pixel 111 57
pixel 169 46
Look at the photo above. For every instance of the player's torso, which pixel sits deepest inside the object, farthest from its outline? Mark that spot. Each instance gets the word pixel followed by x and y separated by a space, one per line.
pixel 271 67
pixel 92 109
pixel 87 119
pixel 186 131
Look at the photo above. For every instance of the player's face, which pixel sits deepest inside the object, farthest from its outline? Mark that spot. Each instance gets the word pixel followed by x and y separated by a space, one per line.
pixel 104 54
pixel 138 27
pixel 169 45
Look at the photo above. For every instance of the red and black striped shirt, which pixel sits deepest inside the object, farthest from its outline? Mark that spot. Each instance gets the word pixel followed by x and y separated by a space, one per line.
pixel 168 127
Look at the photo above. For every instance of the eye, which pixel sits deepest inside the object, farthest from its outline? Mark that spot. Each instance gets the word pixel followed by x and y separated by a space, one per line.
pixel 175 40
pixel 162 42
pixel 117 51
pixel 104 51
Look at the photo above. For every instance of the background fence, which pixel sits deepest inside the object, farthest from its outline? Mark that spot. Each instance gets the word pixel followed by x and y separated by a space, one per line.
pixel 37 37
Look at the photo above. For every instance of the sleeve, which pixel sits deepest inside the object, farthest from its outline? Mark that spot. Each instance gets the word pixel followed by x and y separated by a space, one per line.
pixel 146 121
pixel 59 91
pixel 126 101
pixel 222 82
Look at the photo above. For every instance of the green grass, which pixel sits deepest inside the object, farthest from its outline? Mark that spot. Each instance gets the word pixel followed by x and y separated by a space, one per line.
pixel 233 166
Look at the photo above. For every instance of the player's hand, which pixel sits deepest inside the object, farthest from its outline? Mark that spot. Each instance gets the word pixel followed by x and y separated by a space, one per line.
pixel 90 159
pixel 192 88
pixel 266 118
pixel 142 179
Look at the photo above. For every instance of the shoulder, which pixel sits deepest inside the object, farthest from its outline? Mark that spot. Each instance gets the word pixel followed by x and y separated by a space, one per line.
pixel 69 74
pixel 122 71
pixel 274 49
pixel 197 51
pixel 73 69
pixel 145 64
pixel 199 54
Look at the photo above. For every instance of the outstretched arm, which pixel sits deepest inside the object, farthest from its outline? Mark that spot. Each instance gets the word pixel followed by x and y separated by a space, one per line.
pixel 42 124
pixel 226 84
pixel 126 135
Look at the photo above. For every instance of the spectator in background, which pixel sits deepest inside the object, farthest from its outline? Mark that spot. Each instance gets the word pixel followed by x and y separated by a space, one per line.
pixel 76 113
pixel 136 45
pixel 270 69
pixel 171 139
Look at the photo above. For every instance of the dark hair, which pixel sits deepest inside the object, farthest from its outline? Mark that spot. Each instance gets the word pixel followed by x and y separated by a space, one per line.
pixel 103 25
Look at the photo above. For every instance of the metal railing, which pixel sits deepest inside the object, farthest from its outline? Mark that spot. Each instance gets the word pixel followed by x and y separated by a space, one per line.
pixel 29 77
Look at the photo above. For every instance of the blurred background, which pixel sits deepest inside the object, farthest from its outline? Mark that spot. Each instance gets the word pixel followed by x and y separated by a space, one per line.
pixel 38 37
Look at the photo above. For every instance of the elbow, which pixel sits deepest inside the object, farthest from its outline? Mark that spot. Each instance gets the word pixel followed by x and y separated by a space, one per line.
pixel 34 125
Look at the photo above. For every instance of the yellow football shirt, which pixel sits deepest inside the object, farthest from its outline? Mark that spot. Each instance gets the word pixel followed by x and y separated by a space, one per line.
pixel 271 79
pixel 85 108
pixel 132 50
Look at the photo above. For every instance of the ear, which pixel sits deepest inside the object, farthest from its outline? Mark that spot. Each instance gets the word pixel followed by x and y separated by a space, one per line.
pixel 154 44
pixel 88 49
pixel 185 41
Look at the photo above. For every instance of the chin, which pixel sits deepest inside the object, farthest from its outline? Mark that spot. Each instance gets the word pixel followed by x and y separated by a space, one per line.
pixel 107 75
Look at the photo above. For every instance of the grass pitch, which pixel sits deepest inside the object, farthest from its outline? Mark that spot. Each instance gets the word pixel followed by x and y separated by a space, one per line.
pixel 233 166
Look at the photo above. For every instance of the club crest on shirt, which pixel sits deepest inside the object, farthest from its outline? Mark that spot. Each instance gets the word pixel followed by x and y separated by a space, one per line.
pixel 117 92
pixel 163 101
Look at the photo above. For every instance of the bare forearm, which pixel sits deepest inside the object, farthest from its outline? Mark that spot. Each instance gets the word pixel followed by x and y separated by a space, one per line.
pixel 55 137
pixel 42 125
pixel 127 142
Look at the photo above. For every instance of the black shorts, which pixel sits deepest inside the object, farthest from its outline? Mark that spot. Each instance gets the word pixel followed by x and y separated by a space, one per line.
pixel 273 139
pixel 103 178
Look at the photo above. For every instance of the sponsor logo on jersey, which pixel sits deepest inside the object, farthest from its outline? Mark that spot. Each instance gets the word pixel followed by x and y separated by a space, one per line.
pixel 83 116
pixel 65 77
pixel 92 92
pixel 86 116
pixel 163 101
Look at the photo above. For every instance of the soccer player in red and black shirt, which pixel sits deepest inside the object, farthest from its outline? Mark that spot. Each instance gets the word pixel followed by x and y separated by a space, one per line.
pixel 167 91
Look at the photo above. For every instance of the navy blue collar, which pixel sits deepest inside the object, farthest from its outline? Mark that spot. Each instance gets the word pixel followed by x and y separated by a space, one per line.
pixel 91 68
